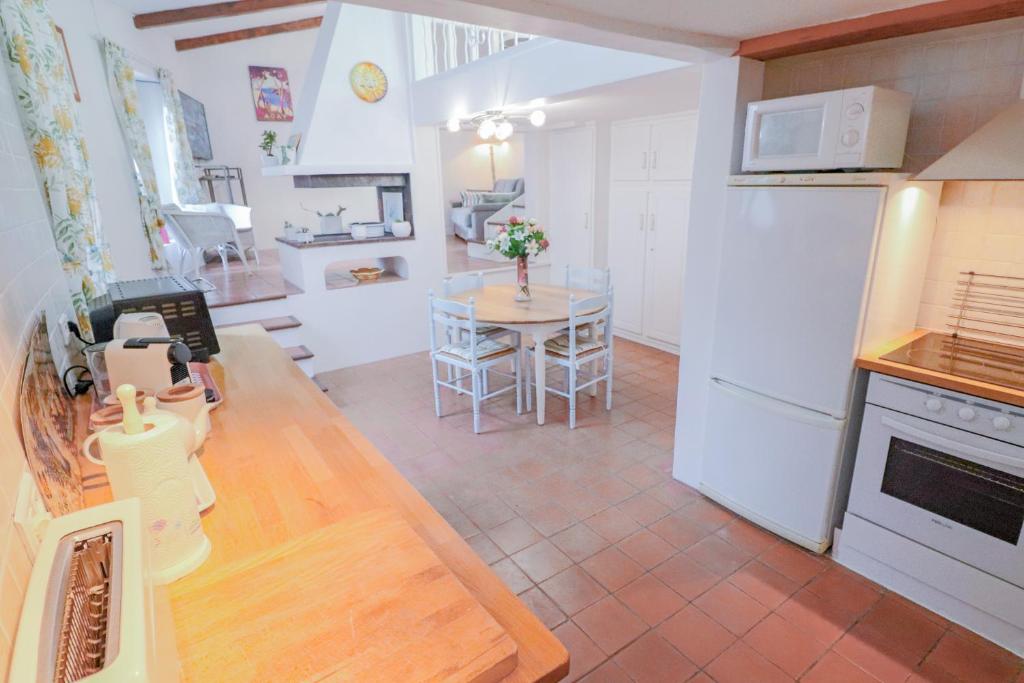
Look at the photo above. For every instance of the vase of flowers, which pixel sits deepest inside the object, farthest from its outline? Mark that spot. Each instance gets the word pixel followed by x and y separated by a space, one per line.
pixel 519 239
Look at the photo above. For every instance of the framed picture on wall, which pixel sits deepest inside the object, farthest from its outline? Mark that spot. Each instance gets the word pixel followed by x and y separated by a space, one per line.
pixel 271 93
pixel 195 127
pixel 71 68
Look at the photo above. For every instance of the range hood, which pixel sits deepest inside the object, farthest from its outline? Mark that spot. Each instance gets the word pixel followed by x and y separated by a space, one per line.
pixel 993 152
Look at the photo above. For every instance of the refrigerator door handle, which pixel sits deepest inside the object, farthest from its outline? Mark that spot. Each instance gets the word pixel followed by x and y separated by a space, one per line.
pixel 778 406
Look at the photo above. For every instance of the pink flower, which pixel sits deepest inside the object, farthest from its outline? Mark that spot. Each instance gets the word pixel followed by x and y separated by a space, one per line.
pixel 544 244
pixel 514 220
pixel 503 229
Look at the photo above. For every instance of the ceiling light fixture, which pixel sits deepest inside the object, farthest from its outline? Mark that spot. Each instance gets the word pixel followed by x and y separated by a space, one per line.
pixel 486 129
pixel 504 130
pixel 538 117
pixel 495 123
pixel 454 124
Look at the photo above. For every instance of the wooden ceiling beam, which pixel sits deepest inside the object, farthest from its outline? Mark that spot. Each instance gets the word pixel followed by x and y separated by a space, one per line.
pixel 217 10
pixel 931 16
pixel 247 33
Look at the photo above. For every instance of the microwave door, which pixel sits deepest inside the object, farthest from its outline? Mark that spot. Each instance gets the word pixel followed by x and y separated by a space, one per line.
pixel 793 134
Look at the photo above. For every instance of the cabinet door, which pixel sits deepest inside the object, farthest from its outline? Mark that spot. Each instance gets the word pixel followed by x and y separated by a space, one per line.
pixel 570 203
pixel 668 214
pixel 673 143
pixel 630 151
pixel 627 233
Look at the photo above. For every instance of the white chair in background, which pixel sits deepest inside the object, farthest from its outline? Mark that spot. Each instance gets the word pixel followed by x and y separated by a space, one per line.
pixel 473 354
pixel 457 284
pixel 587 359
pixel 197 231
pixel 592 279
pixel 242 217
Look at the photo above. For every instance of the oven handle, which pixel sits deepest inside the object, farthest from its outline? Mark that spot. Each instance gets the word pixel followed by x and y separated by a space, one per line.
pixel 953 446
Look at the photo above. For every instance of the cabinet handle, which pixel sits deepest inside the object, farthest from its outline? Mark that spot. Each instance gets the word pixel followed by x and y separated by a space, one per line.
pixel 643 219
pixel 586 220
pixel 650 222
pixel 654 159
pixel 643 164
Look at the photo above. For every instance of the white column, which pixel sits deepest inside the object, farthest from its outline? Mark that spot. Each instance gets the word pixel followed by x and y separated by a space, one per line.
pixel 727 85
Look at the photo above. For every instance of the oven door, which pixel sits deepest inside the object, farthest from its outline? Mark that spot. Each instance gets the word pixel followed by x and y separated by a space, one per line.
pixel 793 133
pixel 956 492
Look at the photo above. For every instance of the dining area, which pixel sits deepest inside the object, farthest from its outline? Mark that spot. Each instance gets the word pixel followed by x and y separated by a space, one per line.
pixel 490 340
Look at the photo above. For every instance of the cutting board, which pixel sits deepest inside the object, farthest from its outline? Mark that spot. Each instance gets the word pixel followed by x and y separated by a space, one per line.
pixel 363 599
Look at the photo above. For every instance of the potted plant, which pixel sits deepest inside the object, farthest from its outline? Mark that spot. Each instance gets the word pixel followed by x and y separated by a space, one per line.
pixel 331 222
pixel 520 239
pixel 267 145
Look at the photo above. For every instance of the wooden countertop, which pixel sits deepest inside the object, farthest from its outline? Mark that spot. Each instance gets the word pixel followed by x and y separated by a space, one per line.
pixel 872 361
pixel 285 462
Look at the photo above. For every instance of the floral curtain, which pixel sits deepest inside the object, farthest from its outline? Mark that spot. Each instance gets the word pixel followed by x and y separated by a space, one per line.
pixel 186 182
pixel 126 104
pixel 41 83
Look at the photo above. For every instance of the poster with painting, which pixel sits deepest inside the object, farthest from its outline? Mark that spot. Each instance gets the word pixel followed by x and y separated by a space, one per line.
pixel 195 127
pixel 271 93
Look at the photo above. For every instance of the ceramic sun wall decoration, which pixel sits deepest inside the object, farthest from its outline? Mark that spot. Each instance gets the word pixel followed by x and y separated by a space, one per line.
pixel 368 81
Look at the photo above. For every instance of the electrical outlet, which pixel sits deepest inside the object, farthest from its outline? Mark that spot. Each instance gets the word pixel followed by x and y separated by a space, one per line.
pixel 65 331
pixel 30 514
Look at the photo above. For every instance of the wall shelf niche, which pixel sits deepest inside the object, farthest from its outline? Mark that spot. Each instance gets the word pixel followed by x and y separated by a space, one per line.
pixel 337 274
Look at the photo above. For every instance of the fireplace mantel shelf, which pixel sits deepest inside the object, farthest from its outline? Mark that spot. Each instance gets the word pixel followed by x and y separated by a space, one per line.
pixel 335 169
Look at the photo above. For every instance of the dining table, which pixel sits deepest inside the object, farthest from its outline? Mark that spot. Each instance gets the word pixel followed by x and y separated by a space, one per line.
pixel 544 317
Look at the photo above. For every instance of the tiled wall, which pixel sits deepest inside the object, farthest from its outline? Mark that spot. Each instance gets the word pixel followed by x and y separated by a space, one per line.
pixel 30 282
pixel 959 78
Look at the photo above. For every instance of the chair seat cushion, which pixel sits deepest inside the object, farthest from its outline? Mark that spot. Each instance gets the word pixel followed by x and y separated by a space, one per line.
pixel 485 349
pixel 488 329
pixel 560 346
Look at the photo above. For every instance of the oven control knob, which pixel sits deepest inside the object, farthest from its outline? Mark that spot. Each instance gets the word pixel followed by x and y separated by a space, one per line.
pixel 850 138
pixel 967 414
pixel 1001 423
pixel 933 405
pixel 854 110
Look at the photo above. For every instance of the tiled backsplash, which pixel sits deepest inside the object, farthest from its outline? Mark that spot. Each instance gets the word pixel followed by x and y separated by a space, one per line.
pixel 959 78
pixel 31 282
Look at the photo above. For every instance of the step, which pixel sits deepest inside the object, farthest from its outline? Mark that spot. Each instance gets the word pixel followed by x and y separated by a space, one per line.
pixel 241 313
pixel 284 322
pixel 320 383
pixel 299 352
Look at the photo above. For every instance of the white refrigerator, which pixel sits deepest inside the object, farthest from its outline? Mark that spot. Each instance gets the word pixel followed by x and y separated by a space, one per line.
pixel 813 267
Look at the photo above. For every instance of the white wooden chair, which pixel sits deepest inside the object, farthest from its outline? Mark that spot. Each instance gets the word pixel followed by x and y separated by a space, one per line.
pixel 197 231
pixel 457 284
pixel 597 280
pixel 471 353
pixel 587 359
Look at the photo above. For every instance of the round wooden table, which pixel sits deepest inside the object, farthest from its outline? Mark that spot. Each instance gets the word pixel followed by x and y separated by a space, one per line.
pixel 542 318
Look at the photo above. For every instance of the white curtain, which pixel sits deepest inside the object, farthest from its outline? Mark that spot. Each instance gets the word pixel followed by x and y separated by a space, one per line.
pixel 183 170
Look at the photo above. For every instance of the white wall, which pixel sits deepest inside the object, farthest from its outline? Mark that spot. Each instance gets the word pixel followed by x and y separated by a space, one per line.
pixel 466 164
pixel 31 281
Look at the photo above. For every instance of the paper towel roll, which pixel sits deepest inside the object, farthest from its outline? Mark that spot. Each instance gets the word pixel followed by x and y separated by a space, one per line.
pixel 153 466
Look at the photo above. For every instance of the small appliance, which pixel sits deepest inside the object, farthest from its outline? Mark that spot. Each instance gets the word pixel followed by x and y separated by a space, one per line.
pixel 152 363
pixel 90 611
pixel 147 324
pixel 179 302
pixel 856 128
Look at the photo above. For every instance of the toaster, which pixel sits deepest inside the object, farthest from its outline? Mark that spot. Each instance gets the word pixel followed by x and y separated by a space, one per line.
pixel 90 611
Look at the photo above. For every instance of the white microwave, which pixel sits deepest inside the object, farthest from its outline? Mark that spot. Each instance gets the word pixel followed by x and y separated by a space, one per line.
pixel 854 128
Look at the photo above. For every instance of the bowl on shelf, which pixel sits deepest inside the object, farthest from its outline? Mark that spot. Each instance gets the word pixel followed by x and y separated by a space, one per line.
pixel 367 274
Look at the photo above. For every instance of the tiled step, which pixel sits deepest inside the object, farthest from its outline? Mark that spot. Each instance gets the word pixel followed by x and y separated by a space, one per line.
pixel 259 310
pixel 283 322
pixel 299 352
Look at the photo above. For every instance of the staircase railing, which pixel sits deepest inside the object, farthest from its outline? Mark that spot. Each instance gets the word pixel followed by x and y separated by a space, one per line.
pixel 439 45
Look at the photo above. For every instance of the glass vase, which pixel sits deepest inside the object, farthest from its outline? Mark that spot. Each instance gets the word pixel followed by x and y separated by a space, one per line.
pixel 522 279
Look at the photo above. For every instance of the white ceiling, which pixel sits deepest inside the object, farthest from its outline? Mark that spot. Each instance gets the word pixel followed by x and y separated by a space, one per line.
pixel 728 18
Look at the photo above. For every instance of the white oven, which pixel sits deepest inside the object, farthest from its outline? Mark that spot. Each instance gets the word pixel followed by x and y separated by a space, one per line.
pixel 853 128
pixel 945 470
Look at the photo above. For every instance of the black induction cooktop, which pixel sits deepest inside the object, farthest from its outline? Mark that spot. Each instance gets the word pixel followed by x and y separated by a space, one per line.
pixel 983 361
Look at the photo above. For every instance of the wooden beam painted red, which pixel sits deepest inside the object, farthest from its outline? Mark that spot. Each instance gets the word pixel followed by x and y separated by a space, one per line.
pixel 931 16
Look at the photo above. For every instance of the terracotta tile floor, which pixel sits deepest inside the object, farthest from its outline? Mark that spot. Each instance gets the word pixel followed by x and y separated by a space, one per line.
pixel 641 577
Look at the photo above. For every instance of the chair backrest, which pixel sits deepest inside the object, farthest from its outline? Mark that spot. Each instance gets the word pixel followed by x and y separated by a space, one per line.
pixel 457 284
pixel 240 214
pixel 455 317
pixel 593 279
pixel 200 229
pixel 592 309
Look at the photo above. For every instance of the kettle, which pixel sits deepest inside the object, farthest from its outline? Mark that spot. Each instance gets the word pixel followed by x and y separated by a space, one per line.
pixel 147 457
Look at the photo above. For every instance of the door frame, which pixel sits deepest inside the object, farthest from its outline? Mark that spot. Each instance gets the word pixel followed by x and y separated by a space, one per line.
pixel 591 128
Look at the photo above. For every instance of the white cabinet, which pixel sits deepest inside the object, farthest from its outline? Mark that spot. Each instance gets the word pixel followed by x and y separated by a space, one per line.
pixel 661 149
pixel 648 214
pixel 570 196
pixel 668 212
pixel 626 251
